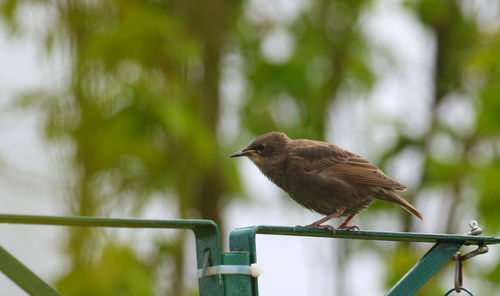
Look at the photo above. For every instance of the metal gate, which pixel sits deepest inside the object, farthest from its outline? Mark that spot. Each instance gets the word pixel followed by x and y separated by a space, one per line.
pixel 235 273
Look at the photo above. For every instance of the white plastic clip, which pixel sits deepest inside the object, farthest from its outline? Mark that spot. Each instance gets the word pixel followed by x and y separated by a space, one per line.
pixel 253 270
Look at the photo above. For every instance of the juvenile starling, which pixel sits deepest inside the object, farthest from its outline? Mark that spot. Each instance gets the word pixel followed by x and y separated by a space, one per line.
pixel 323 177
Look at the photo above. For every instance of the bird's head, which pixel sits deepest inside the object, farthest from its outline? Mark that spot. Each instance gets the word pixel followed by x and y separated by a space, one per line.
pixel 267 147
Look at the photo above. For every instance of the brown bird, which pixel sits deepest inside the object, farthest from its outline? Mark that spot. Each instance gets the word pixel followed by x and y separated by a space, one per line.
pixel 323 177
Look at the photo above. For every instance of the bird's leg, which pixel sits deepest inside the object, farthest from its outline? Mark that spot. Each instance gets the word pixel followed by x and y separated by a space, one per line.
pixel 319 223
pixel 344 225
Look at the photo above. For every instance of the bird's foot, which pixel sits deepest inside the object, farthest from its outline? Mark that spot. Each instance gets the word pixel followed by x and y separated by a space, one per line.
pixel 347 227
pixel 315 225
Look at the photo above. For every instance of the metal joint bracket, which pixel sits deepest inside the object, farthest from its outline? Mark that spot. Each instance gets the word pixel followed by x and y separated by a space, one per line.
pixel 459 258
pixel 481 247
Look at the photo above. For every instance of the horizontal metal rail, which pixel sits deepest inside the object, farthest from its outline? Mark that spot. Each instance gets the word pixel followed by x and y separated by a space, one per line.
pixel 445 245
pixel 242 251
pixel 206 234
pixel 110 222
pixel 368 235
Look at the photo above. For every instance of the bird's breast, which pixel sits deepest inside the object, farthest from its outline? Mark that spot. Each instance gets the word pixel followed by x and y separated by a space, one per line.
pixel 278 175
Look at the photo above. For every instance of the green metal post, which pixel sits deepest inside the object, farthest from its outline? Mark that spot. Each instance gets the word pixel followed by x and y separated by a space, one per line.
pixel 208 239
pixel 237 284
pixel 424 269
pixel 242 251
pixel 206 234
pixel 243 240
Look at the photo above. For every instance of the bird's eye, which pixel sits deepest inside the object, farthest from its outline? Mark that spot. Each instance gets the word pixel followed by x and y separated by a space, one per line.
pixel 260 147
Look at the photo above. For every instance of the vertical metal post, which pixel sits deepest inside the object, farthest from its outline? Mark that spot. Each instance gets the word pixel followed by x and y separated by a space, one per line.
pixel 208 239
pixel 237 284
pixel 243 240
pixel 424 269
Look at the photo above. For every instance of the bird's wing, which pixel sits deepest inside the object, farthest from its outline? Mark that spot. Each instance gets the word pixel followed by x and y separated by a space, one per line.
pixel 335 161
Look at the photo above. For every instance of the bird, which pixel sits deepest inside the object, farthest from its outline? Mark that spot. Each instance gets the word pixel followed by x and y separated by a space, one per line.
pixel 323 177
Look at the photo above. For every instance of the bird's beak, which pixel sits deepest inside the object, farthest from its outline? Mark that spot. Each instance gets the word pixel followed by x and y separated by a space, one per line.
pixel 244 152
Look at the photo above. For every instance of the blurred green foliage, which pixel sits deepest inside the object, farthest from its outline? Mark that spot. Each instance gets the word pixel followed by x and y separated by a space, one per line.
pixel 142 106
pixel 117 272
pixel 329 53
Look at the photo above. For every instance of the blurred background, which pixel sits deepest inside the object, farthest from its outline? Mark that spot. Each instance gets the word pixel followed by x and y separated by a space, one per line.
pixel 130 108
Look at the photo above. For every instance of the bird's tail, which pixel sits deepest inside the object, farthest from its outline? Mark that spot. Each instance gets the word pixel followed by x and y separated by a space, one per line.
pixel 391 195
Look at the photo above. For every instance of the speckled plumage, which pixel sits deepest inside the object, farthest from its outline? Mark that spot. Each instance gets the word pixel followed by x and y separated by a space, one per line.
pixel 323 177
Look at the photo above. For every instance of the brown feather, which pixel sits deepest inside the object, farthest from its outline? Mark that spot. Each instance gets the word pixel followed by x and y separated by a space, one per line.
pixel 391 195
pixel 335 161
pixel 323 177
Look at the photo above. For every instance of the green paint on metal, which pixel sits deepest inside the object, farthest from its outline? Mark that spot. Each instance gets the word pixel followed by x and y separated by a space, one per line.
pixel 366 235
pixel 242 250
pixel 24 277
pixel 206 234
pixel 237 284
pixel 206 231
pixel 243 239
pixel 425 268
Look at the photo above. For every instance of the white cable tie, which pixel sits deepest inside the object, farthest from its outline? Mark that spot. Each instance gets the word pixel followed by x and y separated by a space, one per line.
pixel 252 270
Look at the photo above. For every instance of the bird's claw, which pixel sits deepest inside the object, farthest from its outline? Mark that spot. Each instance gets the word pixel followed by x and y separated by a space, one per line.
pixel 324 226
pixel 331 228
pixel 348 227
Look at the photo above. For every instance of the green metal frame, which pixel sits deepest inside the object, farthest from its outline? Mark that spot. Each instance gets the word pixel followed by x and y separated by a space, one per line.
pixel 206 234
pixel 243 239
pixel 242 252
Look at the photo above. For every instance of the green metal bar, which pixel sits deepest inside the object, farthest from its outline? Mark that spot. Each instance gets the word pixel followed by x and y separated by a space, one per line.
pixel 424 269
pixel 243 239
pixel 367 235
pixel 206 234
pixel 205 230
pixel 243 250
pixel 237 284
pixel 106 222
pixel 23 276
